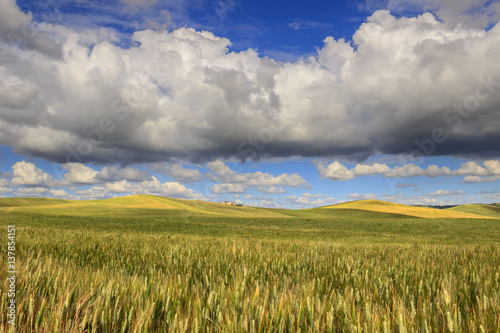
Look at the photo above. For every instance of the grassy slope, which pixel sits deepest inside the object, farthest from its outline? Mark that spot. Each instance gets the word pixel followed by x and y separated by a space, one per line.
pixel 394 208
pixel 484 210
pixel 20 202
pixel 150 204
pixel 341 223
pixel 90 280
pixel 130 205
pixel 168 264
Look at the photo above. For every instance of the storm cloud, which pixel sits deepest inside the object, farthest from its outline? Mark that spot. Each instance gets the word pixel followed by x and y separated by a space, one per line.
pixel 402 86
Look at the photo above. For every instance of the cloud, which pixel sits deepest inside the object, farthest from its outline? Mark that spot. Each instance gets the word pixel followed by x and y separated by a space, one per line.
pixel 325 201
pixel 478 13
pixel 472 170
pixel 110 180
pixel 337 171
pixel 297 201
pixel 271 190
pixel 79 174
pixel 11 17
pixel 182 94
pixel 222 173
pixel 175 190
pixel 224 7
pixel 5 190
pixel 420 200
pixel 495 197
pixel 5 174
pixel 228 188
pixel 307 200
pixel 311 195
pixel 478 179
pixel 113 173
pixel 31 192
pixel 266 179
pixel 153 186
pixel 4 182
pixel 258 197
pixel 178 172
pixel 393 197
pixel 16 27
pixel 357 196
pixel 295 24
pixel 61 194
pixel 139 3
pixel 402 185
pixel 270 203
pixel 316 25
pixel 96 192
pixel 441 193
pixel 27 174
pixel 123 187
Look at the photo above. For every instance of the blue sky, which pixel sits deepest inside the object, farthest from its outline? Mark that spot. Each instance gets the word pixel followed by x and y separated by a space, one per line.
pixel 290 29
pixel 285 104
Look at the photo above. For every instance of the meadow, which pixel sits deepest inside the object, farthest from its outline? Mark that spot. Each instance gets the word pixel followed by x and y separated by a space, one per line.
pixel 152 265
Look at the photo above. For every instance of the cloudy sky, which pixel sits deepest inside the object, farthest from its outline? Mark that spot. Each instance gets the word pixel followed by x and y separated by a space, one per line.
pixel 290 104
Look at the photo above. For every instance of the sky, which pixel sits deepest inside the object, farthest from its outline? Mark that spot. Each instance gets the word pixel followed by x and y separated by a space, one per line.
pixel 294 104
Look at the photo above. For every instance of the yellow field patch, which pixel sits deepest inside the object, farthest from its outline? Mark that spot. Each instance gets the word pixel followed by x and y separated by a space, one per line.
pixel 144 201
pixel 6 209
pixel 478 209
pixel 394 208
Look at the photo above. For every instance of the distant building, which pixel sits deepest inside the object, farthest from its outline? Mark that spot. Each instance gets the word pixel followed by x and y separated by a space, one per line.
pixel 230 203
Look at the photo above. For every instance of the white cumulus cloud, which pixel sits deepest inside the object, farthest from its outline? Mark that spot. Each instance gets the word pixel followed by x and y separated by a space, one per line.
pixel 440 193
pixel 27 174
pixel 271 190
pixel 178 172
pixel 228 188
pixel 337 171
pixel 182 94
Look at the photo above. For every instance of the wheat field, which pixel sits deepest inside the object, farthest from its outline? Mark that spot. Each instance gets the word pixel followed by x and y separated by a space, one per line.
pixel 154 272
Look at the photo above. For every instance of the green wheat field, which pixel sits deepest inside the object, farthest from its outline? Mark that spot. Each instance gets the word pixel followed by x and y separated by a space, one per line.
pixel 153 264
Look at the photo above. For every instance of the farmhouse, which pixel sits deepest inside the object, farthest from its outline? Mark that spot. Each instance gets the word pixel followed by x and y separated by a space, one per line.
pixel 229 203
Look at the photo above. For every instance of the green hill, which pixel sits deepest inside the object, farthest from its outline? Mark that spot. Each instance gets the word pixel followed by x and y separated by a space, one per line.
pixel 134 204
pixel 155 205
pixel 399 209
pixel 478 209
pixel 27 202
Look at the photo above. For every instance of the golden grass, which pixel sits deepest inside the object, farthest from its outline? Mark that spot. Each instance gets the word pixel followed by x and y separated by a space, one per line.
pixel 143 201
pixel 394 208
pixel 55 206
pixel 484 210
pixel 85 281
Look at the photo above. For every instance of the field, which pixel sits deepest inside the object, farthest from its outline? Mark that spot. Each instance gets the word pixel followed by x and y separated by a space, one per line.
pixel 150 264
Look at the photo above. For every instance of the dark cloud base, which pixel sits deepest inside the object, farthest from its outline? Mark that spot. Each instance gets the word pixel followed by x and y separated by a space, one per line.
pixel 181 95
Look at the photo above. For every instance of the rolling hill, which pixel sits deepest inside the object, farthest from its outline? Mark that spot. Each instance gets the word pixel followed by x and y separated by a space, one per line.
pixel 134 204
pixel 26 202
pixel 156 205
pixel 394 208
pixel 478 209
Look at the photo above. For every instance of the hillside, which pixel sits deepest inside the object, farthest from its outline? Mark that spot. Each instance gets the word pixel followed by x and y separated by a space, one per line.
pixel 478 209
pixel 394 208
pixel 134 204
pixel 155 205
pixel 23 202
